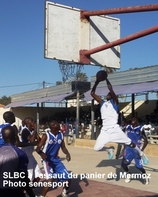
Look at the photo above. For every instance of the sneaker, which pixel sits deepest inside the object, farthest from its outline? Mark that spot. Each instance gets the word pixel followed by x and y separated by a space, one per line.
pixel 128 178
pixel 65 194
pixel 110 153
pixel 145 159
pixel 145 180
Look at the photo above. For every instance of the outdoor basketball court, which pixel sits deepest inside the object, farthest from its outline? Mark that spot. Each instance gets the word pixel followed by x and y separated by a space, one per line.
pixel 86 160
pixel 75 38
pixel 91 188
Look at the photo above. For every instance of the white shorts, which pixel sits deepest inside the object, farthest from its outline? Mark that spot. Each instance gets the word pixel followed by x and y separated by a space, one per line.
pixel 33 169
pixel 112 134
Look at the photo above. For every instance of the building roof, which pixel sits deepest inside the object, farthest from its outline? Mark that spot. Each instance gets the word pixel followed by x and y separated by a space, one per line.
pixel 124 82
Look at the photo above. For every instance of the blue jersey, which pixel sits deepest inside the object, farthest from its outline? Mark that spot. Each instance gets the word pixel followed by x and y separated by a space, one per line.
pixel 1 137
pixel 52 165
pixel 135 134
pixel 52 145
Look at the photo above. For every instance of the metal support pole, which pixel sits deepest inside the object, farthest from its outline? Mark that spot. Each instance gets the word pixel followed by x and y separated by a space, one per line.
pixel 85 54
pixel 43 104
pixel 120 41
pixel 37 118
pixel 144 8
pixel 92 120
pixel 133 103
pixel 77 113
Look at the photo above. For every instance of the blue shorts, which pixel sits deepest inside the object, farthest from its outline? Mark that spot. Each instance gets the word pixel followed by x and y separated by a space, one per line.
pixel 55 170
pixel 132 154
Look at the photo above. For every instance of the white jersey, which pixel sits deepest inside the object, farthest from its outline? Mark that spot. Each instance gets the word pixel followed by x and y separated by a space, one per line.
pixel 109 113
pixel 110 131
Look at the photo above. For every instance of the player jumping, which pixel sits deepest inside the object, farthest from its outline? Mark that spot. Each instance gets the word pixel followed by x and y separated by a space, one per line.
pixel 111 131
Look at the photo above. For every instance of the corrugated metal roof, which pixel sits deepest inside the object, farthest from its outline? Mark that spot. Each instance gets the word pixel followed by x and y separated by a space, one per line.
pixel 125 89
pixel 53 91
pixel 42 93
pixel 52 99
pixel 138 75
pixel 133 76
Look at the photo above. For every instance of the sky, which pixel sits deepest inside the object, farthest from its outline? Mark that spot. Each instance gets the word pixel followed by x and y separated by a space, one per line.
pixel 23 66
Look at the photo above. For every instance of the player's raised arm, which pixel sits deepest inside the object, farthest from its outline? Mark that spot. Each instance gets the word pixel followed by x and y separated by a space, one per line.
pixel 94 95
pixel 100 76
pixel 112 93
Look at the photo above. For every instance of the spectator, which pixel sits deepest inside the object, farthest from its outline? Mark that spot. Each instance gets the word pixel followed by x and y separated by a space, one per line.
pixel 148 129
pixel 13 161
pixel 63 127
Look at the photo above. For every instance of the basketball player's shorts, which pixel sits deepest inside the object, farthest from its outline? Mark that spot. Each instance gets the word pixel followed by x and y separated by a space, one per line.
pixel 129 155
pixel 55 170
pixel 111 134
pixel 33 169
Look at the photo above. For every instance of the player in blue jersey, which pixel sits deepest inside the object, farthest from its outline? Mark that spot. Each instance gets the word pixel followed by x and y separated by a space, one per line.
pixel 51 142
pixel 111 131
pixel 136 133
pixel 13 167
pixel 29 135
pixel 9 119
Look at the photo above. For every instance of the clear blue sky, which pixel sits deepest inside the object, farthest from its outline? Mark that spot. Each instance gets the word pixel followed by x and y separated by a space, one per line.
pixel 22 63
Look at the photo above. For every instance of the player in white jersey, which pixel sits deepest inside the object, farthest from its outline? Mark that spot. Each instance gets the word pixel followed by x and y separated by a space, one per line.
pixel 111 131
pixel 51 142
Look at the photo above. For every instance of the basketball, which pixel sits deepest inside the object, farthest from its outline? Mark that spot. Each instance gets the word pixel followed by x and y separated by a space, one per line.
pixel 101 75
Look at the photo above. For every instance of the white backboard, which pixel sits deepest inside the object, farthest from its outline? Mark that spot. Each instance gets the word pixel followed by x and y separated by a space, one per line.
pixel 66 34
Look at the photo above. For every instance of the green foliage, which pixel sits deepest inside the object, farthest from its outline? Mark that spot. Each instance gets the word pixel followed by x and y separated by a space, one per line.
pixel 59 82
pixel 81 77
pixel 4 100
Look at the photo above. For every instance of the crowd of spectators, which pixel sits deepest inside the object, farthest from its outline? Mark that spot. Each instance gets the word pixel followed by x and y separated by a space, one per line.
pixel 68 117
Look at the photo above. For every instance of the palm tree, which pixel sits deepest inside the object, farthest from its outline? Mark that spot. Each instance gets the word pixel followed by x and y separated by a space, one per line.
pixel 81 77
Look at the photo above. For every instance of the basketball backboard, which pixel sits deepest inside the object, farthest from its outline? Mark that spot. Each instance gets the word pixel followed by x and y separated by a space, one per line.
pixel 66 34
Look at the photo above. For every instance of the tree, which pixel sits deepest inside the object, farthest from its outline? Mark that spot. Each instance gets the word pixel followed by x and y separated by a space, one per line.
pixel 59 82
pixel 81 77
pixel 4 100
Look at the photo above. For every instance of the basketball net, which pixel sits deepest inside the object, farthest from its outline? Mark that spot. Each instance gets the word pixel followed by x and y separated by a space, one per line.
pixel 69 70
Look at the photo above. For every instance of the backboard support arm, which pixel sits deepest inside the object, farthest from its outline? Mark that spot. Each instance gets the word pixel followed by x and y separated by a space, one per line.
pixel 85 54
pixel 132 9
